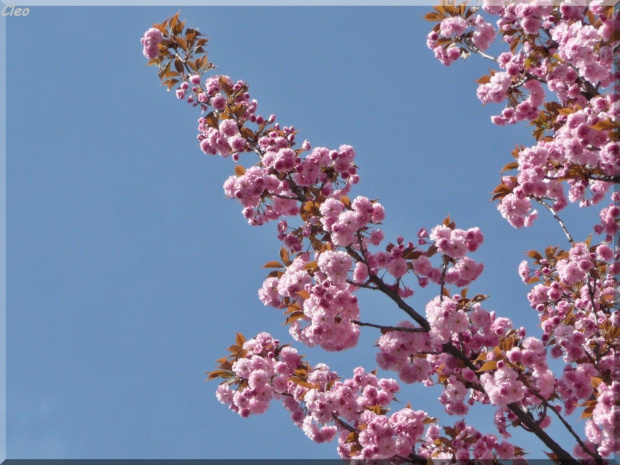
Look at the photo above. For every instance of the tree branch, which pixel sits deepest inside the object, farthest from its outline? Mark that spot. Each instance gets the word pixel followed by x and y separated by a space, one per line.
pixel 522 415
pixel 548 406
pixel 559 220
pixel 390 328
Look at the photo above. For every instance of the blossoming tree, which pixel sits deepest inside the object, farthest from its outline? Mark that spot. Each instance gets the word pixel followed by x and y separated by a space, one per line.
pixel 557 75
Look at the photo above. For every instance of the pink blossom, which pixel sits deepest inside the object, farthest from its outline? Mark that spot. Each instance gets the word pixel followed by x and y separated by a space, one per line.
pixel 397 267
pixel 453 26
pixel 505 450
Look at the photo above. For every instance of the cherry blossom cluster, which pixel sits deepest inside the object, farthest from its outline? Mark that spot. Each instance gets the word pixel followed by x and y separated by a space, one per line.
pixel 455 244
pixel 602 428
pixel 609 224
pixel 318 295
pixel 329 313
pixel 419 356
pixel 575 295
pixel 324 407
pixel 343 224
pixel 472 30
pixel 575 299
pixel 570 50
pixel 355 411
pixel 287 183
pixel 463 442
pixel 398 350
pixel 475 355
pixel 401 258
pixel 151 39
pixel 576 143
pixel 265 190
pixel 321 310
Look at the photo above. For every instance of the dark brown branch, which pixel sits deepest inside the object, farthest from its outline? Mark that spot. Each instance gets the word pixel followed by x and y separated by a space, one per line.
pixel 391 293
pixel 588 177
pixel 443 278
pixel 522 415
pixel 390 328
pixel 548 406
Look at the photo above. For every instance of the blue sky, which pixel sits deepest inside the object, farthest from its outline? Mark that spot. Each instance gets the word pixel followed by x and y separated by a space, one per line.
pixel 128 272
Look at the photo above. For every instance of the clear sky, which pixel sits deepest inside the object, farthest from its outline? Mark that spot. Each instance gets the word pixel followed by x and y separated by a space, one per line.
pixel 128 272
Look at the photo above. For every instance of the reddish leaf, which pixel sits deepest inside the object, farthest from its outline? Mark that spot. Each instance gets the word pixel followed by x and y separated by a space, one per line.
pixel 432 16
pixel 192 65
pixel 479 298
pixel 284 256
pixel 178 65
pixel 178 28
pixel 432 250
pixel 170 83
pixel 303 294
pixel 412 254
pixel 587 413
pixel 293 317
pixel 170 74
pixel 212 120
pixel 488 365
pixel 247 133
pixel 273 264
pixel 312 266
pixel 303 383
pixel 534 254
pixel 181 42
pixel 605 124
pixel 160 27
pixel 219 374
pixel 510 166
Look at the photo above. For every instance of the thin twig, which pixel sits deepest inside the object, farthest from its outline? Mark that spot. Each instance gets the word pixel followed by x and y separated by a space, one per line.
pixel 589 177
pixel 559 220
pixel 391 328
pixel 443 278
pixel 365 285
pixel 470 44
pixel 391 293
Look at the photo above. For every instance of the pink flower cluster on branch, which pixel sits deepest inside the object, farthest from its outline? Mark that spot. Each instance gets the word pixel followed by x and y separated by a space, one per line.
pixel 318 294
pixel 356 411
pixel 332 247
pixel 571 50
pixel 559 75
pixel 575 294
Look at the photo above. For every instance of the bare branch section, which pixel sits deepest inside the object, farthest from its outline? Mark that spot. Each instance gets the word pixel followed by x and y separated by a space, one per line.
pixel 390 328
pixel 558 219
